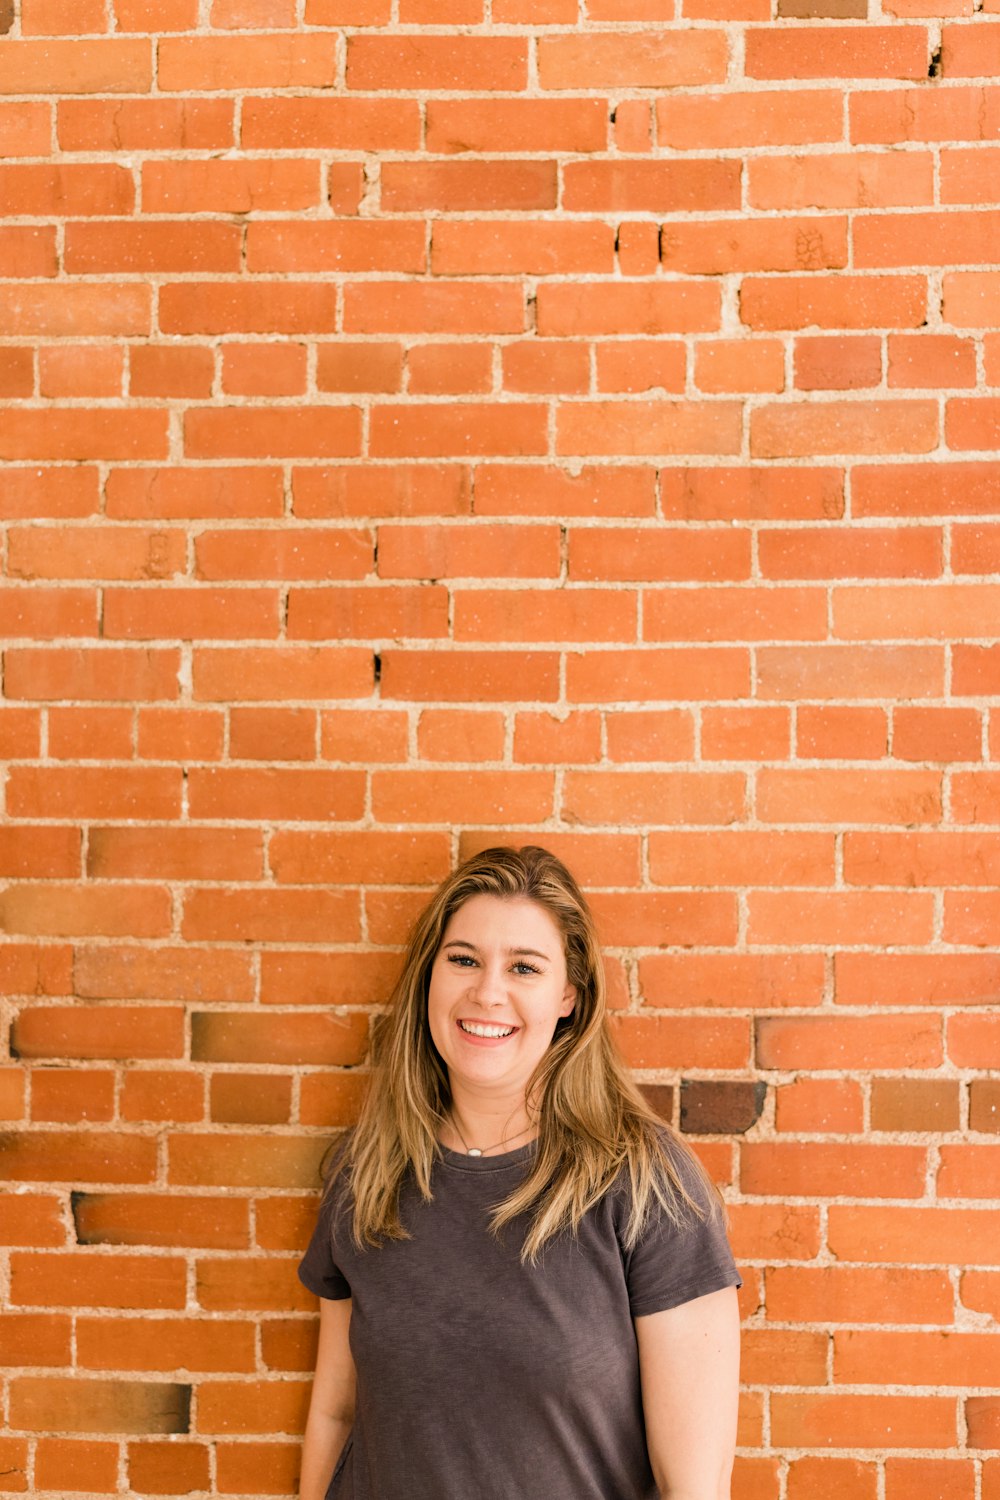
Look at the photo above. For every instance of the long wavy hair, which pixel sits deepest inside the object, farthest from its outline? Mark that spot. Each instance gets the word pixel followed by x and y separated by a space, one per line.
pixel 593 1123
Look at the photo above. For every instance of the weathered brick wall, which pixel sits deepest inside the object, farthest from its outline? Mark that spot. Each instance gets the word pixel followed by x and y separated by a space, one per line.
pixel 422 424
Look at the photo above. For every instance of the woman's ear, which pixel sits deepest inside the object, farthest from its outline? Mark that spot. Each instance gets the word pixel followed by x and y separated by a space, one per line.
pixel 568 1001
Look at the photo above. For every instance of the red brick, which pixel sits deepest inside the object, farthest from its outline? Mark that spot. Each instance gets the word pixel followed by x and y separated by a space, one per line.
pixel 716 246
pixel 35 1339
pixel 339 613
pixel 105 433
pixel 20 733
pixel 259 307
pixel 478 550
pixel 161 1219
pixel 975 549
pixel 91 733
pixel 360 367
pixel 161 1094
pixel 276 793
pixel 27 128
pixel 617 676
pixel 734 614
pixel 253 1099
pixel 640 59
pixel 264 369
pixel 446 734
pixel 180 734
pixel 359 736
pixel 930 361
pixel 849 1043
pixel 394 490
pixel 32 1218
pixel 290 553
pixel 433 307
pixel 194 493
pixel 765 493
pixel 100 1031
pixel 968 54
pixel 94 792
pixel 910 1478
pixel 165 1344
pixel 664 798
pixel 457 186
pixel 831 1479
pixel 468 797
pixel 254 1160
pixel 267 1468
pixel 164 371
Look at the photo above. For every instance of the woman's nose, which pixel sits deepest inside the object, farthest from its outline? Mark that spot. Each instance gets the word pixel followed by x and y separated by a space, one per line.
pixel 489 986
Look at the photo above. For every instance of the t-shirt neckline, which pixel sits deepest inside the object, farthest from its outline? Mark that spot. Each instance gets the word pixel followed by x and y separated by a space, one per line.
pixel 461 1162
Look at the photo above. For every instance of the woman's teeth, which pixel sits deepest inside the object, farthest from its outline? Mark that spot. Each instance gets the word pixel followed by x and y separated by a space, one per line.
pixel 478 1028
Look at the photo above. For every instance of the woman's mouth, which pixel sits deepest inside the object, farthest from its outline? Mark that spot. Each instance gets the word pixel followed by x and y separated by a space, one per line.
pixel 485 1029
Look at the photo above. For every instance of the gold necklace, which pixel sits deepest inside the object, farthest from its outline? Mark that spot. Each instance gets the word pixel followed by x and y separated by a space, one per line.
pixel 482 1150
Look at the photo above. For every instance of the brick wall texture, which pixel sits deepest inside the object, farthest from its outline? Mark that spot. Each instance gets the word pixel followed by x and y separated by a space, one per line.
pixel 426 423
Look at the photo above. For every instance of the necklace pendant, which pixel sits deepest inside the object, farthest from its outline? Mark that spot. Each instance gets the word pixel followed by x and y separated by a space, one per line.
pixel 473 1151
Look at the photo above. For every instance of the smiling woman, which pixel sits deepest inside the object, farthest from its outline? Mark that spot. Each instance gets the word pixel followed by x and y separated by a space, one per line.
pixel 525 1284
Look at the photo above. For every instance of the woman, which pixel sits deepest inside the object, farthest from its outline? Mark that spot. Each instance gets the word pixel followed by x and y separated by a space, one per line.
pixel 526 1290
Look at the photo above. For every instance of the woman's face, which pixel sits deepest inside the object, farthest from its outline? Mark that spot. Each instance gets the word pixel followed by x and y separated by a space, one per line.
pixel 498 987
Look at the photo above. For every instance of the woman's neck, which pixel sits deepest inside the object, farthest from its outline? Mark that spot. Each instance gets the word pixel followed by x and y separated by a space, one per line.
pixel 487 1126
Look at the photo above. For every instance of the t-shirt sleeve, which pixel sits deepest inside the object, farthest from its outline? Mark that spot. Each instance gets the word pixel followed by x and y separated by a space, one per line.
pixel 317 1269
pixel 675 1263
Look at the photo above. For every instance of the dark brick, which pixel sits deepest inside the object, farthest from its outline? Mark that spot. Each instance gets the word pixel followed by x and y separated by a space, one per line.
pixel 920 1104
pixel 6 15
pixel 71 1404
pixel 660 1096
pixel 984 1104
pixel 726 1107
pixel 809 10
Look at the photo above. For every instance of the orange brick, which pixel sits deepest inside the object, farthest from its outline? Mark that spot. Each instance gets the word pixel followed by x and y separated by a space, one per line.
pixel 143 124
pixel 976 549
pixel 734 365
pixel 470 187
pixel 253 1099
pixel 676 1042
pixel 627 307
pixel 735 614
pixel 840 732
pixel 268 1468
pixel 544 366
pixel 108 65
pixel 831 1479
pixel 168 1468
pixel 467 247
pixel 27 128
pixel 800 430
pixel 94 792
pixel 39 851
pixel 68 1095
pixel 80 370
pixel 598 490
pixel 206 64
pixel 180 734
pixel 113 246
pixel 808 796
pixel 942 734
pixel 425 430
pixel 533 617
pixel 768 118
pixel 449 369
pixel 631 797
pixel 846 301
pixel 460 734
pixel 13 1093
pixel 909 1478
pixel 809 1105
pixel 165 371
pixel 564 125
pixel 434 63
pixel 159 1094
pixel 836 671
pixel 758 733
pixel 76 1279
pixel 930 361
pixel 290 123
pixel 963 489
pixel 837 52
pixel 337 245
pixel 75 1464
pixel 281 672
pixel 868 552
pixel 20 730
pixel 649 59
pixel 650 735
pixel 194 493
pixel 259 307
pixel 849 179
pixel 41 1404
pixel 838 364
pixel 641 365
pixel 848 1042
pixel 197 613
pixel 744 858
pixel 551 739
pixel 472 796
pixel 32 1219
pixel 165 1344
pixel 263 370
pixel 35 1339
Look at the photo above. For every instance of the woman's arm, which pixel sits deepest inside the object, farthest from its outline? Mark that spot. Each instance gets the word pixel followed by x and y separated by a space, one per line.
pixel 689 1358
pixel 331 1409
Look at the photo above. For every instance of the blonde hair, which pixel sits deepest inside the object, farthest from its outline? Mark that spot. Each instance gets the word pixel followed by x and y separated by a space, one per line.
pixel 593 1122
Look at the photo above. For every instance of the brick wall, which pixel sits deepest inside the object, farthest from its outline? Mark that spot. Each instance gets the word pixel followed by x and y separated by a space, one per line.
pixel 421 425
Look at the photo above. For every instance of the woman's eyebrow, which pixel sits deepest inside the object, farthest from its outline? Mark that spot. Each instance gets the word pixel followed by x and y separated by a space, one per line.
pixel 518 952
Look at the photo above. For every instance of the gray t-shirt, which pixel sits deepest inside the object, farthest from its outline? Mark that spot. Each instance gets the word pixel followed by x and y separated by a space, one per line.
pixel 480 1378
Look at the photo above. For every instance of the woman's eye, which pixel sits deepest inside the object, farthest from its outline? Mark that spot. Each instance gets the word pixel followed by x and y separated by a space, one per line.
pixel 525 968
pixel 463 960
